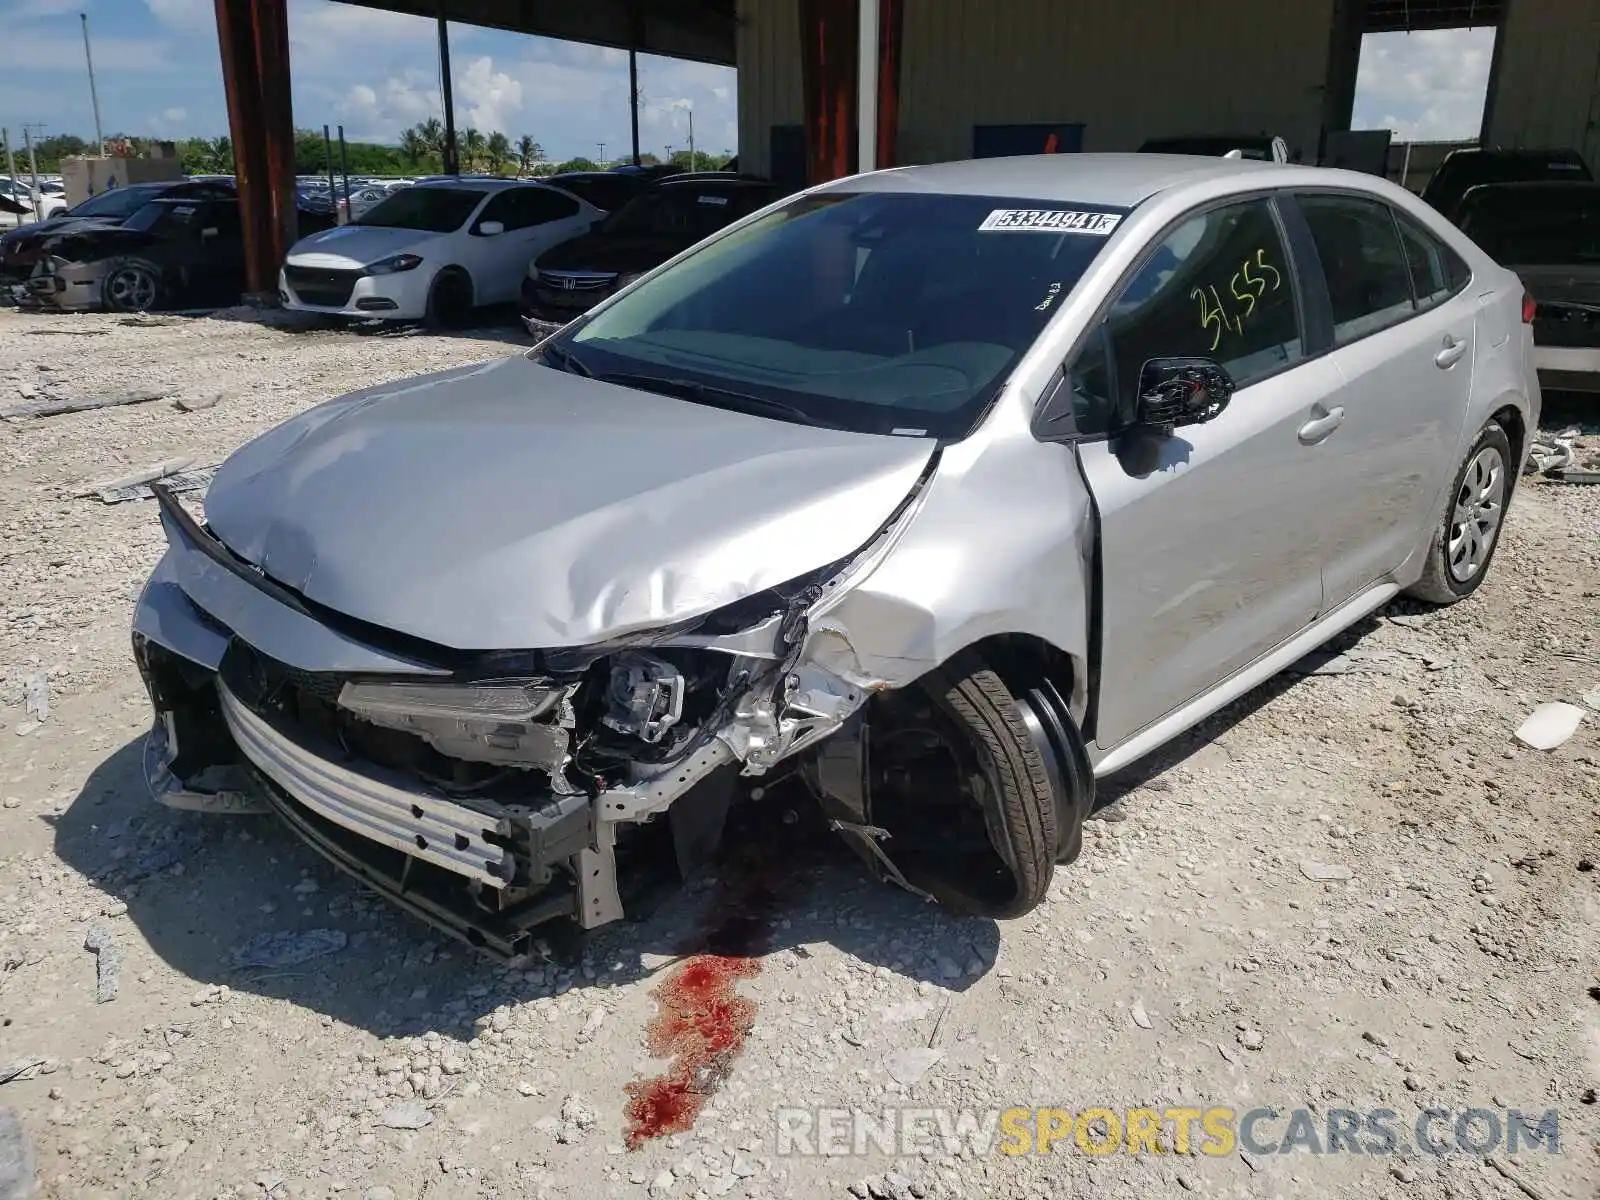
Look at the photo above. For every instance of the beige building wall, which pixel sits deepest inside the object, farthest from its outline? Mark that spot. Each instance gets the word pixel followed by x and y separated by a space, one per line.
pixel 1127 70
pixel 1547 91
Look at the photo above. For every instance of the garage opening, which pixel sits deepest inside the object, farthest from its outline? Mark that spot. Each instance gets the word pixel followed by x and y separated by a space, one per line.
pixel 1429 87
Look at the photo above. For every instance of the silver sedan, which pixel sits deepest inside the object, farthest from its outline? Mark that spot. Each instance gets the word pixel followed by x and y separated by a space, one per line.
pixel 945 490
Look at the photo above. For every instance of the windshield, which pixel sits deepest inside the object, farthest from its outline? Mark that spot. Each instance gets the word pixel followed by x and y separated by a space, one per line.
pixel 1557 227
pixel 118 202
pixel 690 213
pixel 1461 172
pixel 428 209
pixel 879 312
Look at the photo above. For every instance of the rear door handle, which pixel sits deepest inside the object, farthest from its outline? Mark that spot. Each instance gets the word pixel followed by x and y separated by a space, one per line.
pixel 1318 428
pixel 1454 348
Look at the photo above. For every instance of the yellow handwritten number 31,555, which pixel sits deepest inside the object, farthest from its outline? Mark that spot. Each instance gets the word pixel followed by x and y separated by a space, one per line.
pixel 1213 314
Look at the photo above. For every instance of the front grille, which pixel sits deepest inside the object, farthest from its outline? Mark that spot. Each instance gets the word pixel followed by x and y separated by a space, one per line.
pixel 321 285
pixel 577 281
pixel 1556 324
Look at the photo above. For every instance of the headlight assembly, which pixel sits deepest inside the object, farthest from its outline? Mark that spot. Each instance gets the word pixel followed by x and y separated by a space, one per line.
pixel 395 265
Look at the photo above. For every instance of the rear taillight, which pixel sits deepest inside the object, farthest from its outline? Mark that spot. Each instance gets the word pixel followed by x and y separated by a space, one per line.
pixel 1528 309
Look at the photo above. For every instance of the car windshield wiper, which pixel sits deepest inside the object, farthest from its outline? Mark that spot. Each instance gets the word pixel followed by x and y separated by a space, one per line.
pixel 717 397
pixel 565 360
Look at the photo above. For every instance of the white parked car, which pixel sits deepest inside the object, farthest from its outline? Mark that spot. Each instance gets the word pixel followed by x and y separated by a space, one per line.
pixel 432 252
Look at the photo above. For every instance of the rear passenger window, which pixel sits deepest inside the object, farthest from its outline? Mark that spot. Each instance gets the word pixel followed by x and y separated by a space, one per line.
pixel 1434 276
pixel 1217 287
pixel 1369 283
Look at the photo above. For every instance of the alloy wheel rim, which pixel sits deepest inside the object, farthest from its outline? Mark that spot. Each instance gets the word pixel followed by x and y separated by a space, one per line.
pixel 133 289
pixel 1475 520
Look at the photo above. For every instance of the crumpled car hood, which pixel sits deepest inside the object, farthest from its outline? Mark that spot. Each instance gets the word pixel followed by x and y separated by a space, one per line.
pixel 514 506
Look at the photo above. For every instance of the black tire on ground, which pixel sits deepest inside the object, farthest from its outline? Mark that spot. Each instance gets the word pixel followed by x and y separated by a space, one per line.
pixel 1020 813
pixel 1438 585
pixel 131 285
pixel 450 300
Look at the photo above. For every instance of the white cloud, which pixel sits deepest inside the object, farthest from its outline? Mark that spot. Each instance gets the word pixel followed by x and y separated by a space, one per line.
pixel 380 113
pixel 489 99
pixel 1426 86
pixel 185 16
pixel 174 115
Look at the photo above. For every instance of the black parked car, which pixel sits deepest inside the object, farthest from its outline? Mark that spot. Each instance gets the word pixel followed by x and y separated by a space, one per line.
pixel 1549 234
pixel 669 218
pixel 1470 167
pixel 21 249
pixel 606 190
pixel 171 253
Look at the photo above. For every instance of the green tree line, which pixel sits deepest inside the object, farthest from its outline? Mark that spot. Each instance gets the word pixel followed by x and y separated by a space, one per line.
pixel 420 151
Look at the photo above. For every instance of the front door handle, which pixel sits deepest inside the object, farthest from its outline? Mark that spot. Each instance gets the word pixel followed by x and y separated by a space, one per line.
pixel 1454 348
pixel 1318 428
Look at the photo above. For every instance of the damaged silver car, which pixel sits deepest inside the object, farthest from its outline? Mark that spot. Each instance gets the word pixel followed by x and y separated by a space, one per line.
pixel 942 490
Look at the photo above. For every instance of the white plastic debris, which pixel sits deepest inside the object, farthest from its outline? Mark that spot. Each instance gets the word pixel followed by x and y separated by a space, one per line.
pixel 1320 872
pixel 410 1115
pixel 908 1066
pixel 1549 725
pixel 37 702
pixel 1140 1017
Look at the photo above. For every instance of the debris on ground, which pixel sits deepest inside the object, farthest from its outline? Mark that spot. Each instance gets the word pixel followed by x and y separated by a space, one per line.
pixel 180 483
pixel 197 403
pixel 55 408
pixel 413 1114
pixel 1320 872
pixel 289 949
pixel 36 701
pixel 907 1067
pixel 1549 725
pixel 21 1068
pixel 150 474
pixel 107 963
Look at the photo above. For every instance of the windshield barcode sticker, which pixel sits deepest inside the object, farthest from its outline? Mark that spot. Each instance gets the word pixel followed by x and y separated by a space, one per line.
pixel 1051 220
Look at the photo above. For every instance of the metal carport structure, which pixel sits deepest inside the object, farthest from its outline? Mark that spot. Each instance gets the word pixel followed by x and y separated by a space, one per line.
pixel 935 67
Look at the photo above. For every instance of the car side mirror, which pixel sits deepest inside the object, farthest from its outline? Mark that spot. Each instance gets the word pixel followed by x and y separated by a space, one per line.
pixel 491 228
pixel 1181 391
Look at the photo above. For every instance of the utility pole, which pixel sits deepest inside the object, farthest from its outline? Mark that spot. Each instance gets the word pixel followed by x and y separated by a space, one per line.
pixel 633 95
pixel 602 146
pixel 450 160
pixel 94 96
pixel 33 166
pixel 693 161
pixel 11 159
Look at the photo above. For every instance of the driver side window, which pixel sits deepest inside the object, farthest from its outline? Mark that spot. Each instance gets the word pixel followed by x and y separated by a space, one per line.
pixel 1217 287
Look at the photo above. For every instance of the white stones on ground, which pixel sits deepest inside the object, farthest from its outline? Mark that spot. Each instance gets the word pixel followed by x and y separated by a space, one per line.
pixel 907 1067
pixel 1320 872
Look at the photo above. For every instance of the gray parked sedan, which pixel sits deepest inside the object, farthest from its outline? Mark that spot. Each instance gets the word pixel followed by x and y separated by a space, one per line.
pixel 948 489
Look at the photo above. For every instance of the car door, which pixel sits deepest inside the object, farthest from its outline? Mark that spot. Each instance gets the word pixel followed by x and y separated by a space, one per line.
pixel 500 260
pixel 216 271
pixel 1208 538
pixel 1406 363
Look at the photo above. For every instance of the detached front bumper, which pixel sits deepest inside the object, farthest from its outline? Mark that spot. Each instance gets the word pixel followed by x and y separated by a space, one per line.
pixel 69 287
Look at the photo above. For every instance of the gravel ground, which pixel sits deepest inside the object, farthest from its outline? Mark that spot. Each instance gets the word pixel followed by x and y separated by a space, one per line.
pixel 1348 891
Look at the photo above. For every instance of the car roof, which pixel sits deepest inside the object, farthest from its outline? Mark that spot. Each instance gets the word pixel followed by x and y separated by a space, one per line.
pixel 1110 180
pixel 469 183
pixel 704 179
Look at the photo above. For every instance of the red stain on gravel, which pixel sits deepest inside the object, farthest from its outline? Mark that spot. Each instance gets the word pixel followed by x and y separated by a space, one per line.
pixel 702 1022
pixel 702 1028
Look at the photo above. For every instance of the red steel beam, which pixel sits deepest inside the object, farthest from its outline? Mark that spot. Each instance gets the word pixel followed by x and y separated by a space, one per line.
pixel 253 36
pixel 829 62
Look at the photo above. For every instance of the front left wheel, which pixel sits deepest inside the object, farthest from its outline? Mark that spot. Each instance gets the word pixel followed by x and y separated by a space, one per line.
pixel 962 787
pixel 131 285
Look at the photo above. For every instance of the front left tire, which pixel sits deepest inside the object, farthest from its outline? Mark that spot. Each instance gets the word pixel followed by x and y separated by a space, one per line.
pixel 132 285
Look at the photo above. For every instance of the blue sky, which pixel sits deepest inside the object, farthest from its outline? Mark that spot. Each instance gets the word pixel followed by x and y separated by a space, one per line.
pixel 158 71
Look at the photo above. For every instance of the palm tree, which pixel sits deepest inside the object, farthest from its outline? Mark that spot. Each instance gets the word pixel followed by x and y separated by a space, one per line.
pixel 472 147
pixel 413 145
pixel 432 134
pixel 498 151
pixel 220 155
pixel 528 153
